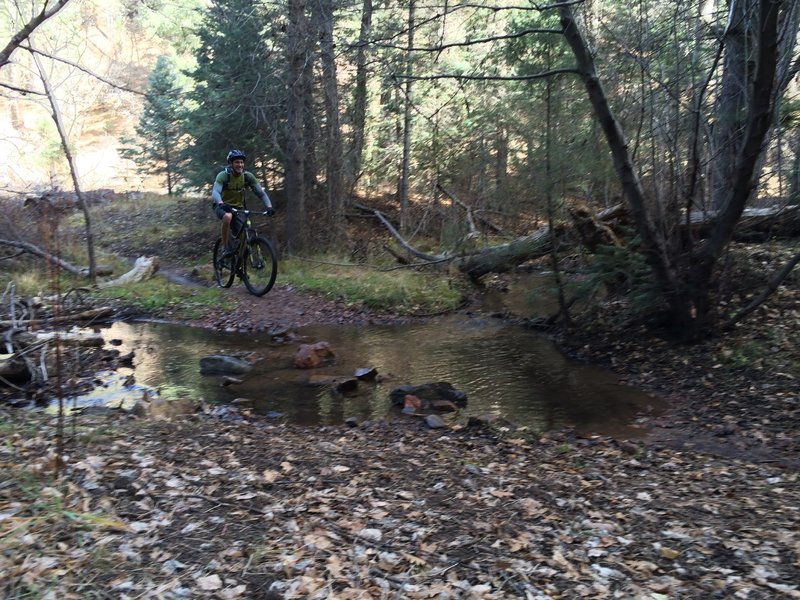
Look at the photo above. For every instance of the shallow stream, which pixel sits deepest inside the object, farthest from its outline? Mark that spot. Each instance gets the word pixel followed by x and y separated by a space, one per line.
pixel 504 369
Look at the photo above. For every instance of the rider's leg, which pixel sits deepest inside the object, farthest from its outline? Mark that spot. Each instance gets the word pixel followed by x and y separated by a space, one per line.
pixel 226 228
pixel 235 225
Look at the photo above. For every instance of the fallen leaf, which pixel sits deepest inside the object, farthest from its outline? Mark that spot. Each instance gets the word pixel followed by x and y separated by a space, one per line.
pixel 270 476
pixel 668 553
pixel 209 583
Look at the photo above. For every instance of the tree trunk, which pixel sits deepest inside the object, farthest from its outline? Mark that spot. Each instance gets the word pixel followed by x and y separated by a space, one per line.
pixel 656 250
pixel 295 188
pixel 731 107
pixel 333 136
pixel 402 191
pixel 505 257
pixel 360 101
pixel 687 283
pixel 310 123
pixel 759 120
pixel 548 145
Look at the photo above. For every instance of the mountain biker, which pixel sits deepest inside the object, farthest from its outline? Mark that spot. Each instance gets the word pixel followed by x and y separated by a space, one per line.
pixel 228 193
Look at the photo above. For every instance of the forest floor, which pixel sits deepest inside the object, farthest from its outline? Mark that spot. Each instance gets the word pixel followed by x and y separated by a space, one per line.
pixel 706 506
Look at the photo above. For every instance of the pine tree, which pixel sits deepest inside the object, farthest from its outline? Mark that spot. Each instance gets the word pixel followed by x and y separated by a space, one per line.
pixel 239 93
pixel 156 148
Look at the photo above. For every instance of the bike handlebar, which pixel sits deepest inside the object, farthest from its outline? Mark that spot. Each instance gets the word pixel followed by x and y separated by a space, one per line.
pixel 247 211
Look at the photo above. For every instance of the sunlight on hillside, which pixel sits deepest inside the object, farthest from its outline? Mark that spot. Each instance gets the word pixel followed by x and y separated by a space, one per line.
pixel 116 45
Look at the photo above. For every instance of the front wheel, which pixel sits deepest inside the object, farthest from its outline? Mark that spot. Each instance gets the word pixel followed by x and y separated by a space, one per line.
pixel 223 271
pixel 260 266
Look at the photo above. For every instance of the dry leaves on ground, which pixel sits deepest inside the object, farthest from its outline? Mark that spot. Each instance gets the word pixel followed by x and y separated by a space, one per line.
pixel 205 509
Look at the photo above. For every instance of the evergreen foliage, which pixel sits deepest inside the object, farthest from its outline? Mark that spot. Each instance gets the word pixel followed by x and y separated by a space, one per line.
pixel 159 131
pixel 239 92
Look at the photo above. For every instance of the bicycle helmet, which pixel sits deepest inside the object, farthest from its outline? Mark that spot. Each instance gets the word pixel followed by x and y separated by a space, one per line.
pixel 234 154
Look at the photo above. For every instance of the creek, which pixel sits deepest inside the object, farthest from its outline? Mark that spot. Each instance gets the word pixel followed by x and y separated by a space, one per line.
pixel 504 368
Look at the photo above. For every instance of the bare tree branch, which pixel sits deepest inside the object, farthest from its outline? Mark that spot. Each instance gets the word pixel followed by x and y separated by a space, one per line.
pixel 776 280
pixel 81 68
pixel 469 210
pixel 36 251
pixel 400 240
pixel 531 6
pixel 22 91
pixel 450 9
pixel 441 47
pixel 490 77
pixel 24 33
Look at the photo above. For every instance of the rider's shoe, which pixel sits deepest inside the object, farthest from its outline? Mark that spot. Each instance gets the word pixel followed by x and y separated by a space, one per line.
pixel 230 249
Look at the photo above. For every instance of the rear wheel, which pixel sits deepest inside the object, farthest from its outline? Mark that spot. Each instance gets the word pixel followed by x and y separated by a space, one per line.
pixel 260 266
pixel 223 273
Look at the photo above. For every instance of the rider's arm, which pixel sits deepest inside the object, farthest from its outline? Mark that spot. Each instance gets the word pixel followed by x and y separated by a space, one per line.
pixel 216 193
pixel 259 191
pixel 219 183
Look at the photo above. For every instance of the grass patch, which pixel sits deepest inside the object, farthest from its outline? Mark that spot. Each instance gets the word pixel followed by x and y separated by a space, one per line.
pixel 404 291
pixel 160 297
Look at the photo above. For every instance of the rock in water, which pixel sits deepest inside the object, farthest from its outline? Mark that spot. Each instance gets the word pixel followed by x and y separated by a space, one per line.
pixel 221 364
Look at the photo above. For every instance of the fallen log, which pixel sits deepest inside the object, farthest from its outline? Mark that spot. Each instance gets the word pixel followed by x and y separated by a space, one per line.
pixel 593 230
pixel 55 260
pixel 12 368
pixel 502 258
pixel 93 314
pixel 144 268
pixel 69 338
pixel 754 224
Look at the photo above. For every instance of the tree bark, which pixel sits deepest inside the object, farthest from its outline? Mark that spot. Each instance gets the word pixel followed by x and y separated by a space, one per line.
pixel 402 190
pixel 334 169
pixel 295 185
pixel 505 257
pixel 762 110
pixel 360 99
pixel 731 107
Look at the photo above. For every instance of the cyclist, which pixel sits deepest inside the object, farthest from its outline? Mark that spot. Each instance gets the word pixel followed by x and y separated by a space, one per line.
pixel 228 193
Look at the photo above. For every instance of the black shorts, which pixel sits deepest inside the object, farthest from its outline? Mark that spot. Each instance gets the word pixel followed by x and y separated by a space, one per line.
pixel 236 222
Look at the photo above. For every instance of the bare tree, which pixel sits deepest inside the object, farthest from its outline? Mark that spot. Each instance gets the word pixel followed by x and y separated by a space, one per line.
pixel 23 34
pixel 56 115
pixel 686 274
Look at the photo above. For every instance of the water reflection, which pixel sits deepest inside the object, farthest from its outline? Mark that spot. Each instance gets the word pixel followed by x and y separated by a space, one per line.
pixel 503 368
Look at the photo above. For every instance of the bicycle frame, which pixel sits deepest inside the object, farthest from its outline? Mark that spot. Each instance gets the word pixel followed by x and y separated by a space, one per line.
pixel 248 232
